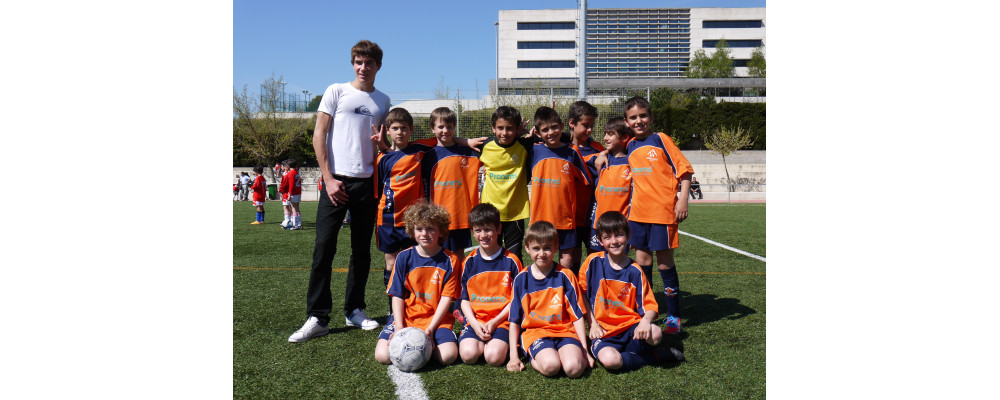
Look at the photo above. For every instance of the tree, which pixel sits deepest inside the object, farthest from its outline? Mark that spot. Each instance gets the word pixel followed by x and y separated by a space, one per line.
pixel 757 63
pixel 719 65
pixel 726 141
pixel 442 91
pixel 260 131
pixel 314 104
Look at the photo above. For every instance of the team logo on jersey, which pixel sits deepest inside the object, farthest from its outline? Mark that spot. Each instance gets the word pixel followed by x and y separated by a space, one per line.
pixel 464 163
pixel 627 173
pixel 651 156
pixel 436 278
pixel 555 303
pixel 623 294
pixel 506 280
pixel 565 169
pixel 363 111
pixel 514 159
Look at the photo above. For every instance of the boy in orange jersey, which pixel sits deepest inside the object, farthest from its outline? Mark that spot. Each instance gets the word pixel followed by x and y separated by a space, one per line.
pixel 486 276
pixel 398 185
pixel 613 185
pixel 657 168
pixel 581 118
pixel 258 187
pixel 620 303
pixel 424 281
pixel 546 304
pixel 556 172
pixel 451 173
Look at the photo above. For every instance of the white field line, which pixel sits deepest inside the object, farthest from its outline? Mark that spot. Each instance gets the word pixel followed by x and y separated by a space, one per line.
pixel 724 246
pixel 408 385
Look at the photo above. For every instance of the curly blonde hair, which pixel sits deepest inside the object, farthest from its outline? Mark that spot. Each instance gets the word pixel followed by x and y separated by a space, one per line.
pixel 425 213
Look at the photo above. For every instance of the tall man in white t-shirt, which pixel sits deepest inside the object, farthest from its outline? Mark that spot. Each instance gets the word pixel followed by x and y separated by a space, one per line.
pixel 346 155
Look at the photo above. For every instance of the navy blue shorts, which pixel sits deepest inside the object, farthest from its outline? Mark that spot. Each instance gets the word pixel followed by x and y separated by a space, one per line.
pixel 551 343
pixel 458 241
pixel 653 237
pixel 391 239
pixel 595 241
pixel 498 334
pixel 567 239
pixel 441 336
pixel 622 342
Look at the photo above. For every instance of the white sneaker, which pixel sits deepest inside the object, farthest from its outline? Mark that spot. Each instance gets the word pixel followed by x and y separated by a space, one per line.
pixel 359 319
pixel 309 330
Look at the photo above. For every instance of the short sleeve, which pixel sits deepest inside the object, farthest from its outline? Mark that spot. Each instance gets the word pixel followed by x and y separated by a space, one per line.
pixel 328 103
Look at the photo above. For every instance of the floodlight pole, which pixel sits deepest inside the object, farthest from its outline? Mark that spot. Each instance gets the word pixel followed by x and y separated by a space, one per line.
pixel 582 95
pixel 496 90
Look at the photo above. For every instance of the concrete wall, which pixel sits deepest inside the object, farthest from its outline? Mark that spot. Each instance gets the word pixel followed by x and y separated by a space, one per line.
pixel 746 167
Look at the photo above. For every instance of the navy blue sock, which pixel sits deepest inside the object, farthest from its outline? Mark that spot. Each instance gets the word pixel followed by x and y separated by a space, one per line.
pixel 671 287
pixel 385 278
pixel 631 361
pixel 258 216
pixel 648 271
pixel 262 216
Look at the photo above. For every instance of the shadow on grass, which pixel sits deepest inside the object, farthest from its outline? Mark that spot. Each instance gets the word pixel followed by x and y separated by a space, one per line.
pixel 697 309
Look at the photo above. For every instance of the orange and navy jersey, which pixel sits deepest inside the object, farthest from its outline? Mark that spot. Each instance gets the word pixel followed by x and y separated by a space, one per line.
pixel 584 194
pixel 258 187
pixel 422 281
pixel 546 307
pixel 657 166
pixel 486 283
pixel 399 183
pixel 612 189
pixel 619 298
pixel 555 175
pixel 452 180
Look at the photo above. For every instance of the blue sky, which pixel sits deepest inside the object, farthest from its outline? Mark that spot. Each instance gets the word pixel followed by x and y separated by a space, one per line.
pixel 308 43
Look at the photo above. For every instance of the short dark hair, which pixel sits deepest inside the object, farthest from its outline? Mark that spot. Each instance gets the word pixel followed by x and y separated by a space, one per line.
pixel 259 169
pixel 292 163
pixel 639 101
pixel 541 232
pixel 367 49
pixel 445 114
pixel 484 214
pixel 400 115
pixel 507 113
pixel 618 126
pixel 579 109
pixel 612 222
pixel 546 114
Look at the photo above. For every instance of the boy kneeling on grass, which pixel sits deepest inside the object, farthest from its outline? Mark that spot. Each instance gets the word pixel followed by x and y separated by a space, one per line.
pixel 423 283
pixel 620 303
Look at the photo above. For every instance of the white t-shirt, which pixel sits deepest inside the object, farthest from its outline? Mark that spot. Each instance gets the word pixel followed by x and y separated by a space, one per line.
pixel 353 111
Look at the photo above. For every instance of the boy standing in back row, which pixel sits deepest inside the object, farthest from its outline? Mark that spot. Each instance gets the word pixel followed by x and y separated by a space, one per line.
pixel 451 174
pixel 657 166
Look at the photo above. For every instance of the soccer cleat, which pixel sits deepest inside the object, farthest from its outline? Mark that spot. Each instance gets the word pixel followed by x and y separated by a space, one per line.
pixel 361 320
pixel 459 317
pixel 309 330
pixel 671 325
pixel 670 354
pixel 256 223
pixel 295 228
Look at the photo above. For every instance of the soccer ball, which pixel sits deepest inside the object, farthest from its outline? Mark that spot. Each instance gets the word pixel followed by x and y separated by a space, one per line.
pixel 409 349
pixel 286 224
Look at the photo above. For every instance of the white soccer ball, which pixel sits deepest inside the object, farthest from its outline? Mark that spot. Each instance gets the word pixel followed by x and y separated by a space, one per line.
pixel 409 349
pixel 286 224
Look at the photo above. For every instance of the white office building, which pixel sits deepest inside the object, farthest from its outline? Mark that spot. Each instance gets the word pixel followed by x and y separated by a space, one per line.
pixel 630 44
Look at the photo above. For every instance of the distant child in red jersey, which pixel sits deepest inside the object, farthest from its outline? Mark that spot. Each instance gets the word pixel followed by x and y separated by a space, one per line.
pixel 398 185
pixel 620 303
pixel 452 175
pixel 613 185
pixel 291 194
pixel 657 168
pixel 547 304
pixel 424 281
pixel 581 118
pixel 258 187
pixel 557 171
pixel 486 277
pixel 236 188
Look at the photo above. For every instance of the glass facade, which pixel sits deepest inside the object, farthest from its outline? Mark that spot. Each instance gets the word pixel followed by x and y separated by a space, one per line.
pixel 732 24
pixel 733 43
pixel 546 45
pixel 545 25
pixel 638 43
pixel 546 64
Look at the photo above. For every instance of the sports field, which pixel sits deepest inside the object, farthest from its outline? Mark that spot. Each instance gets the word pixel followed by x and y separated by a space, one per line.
pixel 722 301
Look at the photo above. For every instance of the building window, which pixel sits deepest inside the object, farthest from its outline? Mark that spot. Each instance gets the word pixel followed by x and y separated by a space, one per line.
pixel 546 64
pixel 546 45
pixel 733 43
pixel 740 63
pixel 521 26
pixel 732 24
